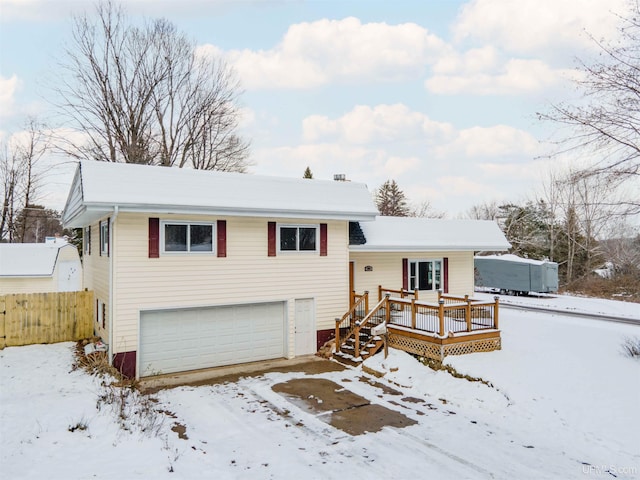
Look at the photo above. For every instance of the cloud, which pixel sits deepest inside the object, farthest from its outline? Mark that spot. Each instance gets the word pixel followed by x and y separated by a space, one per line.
pixel 497 142
pixel 312 54
pixel 515 77
pixel 379 124
pixel 528 26
pixel 8 88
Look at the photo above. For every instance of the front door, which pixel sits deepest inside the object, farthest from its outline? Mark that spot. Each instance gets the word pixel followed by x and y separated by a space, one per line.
pixel 305 327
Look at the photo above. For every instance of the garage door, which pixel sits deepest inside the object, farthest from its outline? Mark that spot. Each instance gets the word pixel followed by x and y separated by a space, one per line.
pixel 189 339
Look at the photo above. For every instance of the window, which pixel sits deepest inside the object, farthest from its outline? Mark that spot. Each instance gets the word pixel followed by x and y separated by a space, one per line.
pixel 86 240
pixel 101 313
pixel 186 237
pixel 298 238
pixel 425 274
pixel 104 237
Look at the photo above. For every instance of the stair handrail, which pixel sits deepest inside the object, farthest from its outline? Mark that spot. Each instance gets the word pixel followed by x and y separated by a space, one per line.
pixel 364 299
pixel 364 321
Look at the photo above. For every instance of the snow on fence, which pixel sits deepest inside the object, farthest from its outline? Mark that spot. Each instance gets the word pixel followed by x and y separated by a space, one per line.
pixel 29 318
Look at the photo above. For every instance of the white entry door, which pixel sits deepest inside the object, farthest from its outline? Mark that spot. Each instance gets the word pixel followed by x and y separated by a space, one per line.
pixel 305 327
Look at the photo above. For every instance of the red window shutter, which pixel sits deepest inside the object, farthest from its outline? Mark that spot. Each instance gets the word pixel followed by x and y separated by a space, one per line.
pixel 445 274
pixel 405 274
pixel 271 239
pixel 221 228
pixel 154 237
pixel 323 239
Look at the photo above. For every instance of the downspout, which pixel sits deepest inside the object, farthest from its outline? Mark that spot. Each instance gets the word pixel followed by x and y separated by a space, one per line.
pixel 112 250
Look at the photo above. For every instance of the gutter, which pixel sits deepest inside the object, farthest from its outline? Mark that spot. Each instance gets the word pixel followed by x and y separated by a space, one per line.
pixel 112 252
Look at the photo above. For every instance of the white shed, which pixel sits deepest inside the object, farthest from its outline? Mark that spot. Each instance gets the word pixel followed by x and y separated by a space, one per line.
pixel 40 267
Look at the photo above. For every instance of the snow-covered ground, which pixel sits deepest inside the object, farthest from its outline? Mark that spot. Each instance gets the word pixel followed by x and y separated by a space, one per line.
pixel 570 303
pixel 565 403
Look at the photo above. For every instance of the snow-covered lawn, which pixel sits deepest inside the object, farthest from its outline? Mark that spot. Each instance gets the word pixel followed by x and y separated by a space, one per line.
pixel 565 403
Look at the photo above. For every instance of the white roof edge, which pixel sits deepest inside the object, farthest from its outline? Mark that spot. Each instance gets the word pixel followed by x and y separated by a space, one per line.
pixel 248 212
pixel 430 248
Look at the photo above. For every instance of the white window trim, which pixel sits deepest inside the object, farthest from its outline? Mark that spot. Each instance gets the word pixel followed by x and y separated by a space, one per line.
pixel 104 245
pixel 315 226
pixel 188 222
pixel 421 260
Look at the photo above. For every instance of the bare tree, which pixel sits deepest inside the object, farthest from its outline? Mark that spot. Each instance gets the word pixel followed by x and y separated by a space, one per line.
pixel 425 210
pixel 20 177
pixel 144 95
pixel 605 123
pixel 484 211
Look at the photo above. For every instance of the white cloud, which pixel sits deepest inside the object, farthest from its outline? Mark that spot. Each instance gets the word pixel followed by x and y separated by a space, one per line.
pixel 499 141
pixel 8 88
pixel 527 26
pixel 382 123
pixel 516 76
pixel 315 53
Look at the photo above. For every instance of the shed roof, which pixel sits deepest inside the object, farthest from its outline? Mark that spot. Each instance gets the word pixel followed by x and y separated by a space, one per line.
pixel 100 186
pixel 406 234
pixel 29 259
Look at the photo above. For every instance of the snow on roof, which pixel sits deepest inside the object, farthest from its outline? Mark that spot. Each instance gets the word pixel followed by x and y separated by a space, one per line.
pixel 29 259
pixel 420 234
pixel 513 258
pixel 103 185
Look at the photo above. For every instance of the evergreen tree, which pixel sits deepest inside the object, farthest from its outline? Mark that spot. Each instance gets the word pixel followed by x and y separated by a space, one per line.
pixel 391 201
pixel 307 173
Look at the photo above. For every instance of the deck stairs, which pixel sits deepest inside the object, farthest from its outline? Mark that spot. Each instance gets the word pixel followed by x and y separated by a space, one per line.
pixel 362 330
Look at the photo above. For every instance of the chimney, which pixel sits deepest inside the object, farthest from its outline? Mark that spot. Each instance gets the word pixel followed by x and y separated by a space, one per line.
pixel 339 177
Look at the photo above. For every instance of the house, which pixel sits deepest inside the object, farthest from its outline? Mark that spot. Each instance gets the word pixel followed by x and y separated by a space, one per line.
pixel 53 266
pixel 194 269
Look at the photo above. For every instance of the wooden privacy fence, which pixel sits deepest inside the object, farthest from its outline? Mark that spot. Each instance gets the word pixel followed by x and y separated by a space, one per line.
pixel 29 318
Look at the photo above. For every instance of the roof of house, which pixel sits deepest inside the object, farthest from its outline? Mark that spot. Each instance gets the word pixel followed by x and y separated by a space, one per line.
pixel 29 259
pixel 406 234
pixel 98 187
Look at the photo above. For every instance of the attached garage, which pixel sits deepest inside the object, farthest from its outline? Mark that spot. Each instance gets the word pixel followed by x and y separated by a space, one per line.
pixel 193 338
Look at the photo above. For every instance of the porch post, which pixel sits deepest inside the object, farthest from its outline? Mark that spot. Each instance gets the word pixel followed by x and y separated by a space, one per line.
pixel 413 313
pixel 441 316
pixel 495 312
pixel 387 308
pixel 467 312
pixel 337 334
pixel 379 292
pixel 366 302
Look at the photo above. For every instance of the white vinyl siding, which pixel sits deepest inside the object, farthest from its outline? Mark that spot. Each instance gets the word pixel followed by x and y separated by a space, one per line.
pixel 387 271
pixel 246 275
pixel 95 270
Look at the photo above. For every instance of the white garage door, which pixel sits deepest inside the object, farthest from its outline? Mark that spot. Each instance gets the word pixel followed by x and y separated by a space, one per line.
pixel 189 339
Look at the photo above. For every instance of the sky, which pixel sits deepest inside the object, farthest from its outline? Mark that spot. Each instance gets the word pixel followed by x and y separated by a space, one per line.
pixel 439 95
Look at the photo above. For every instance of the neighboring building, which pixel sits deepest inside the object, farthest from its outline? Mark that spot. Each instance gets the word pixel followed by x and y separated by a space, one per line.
pixel 40 267
pixel 193 269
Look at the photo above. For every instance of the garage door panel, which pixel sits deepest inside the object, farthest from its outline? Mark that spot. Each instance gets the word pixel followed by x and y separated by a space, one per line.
pixel 188 339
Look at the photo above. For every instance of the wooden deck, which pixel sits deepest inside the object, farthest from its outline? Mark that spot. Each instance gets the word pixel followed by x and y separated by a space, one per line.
pixel 452 326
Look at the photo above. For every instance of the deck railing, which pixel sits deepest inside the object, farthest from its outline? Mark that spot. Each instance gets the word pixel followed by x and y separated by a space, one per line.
pixel 351 323
pixel 402 293
pixel 449 314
